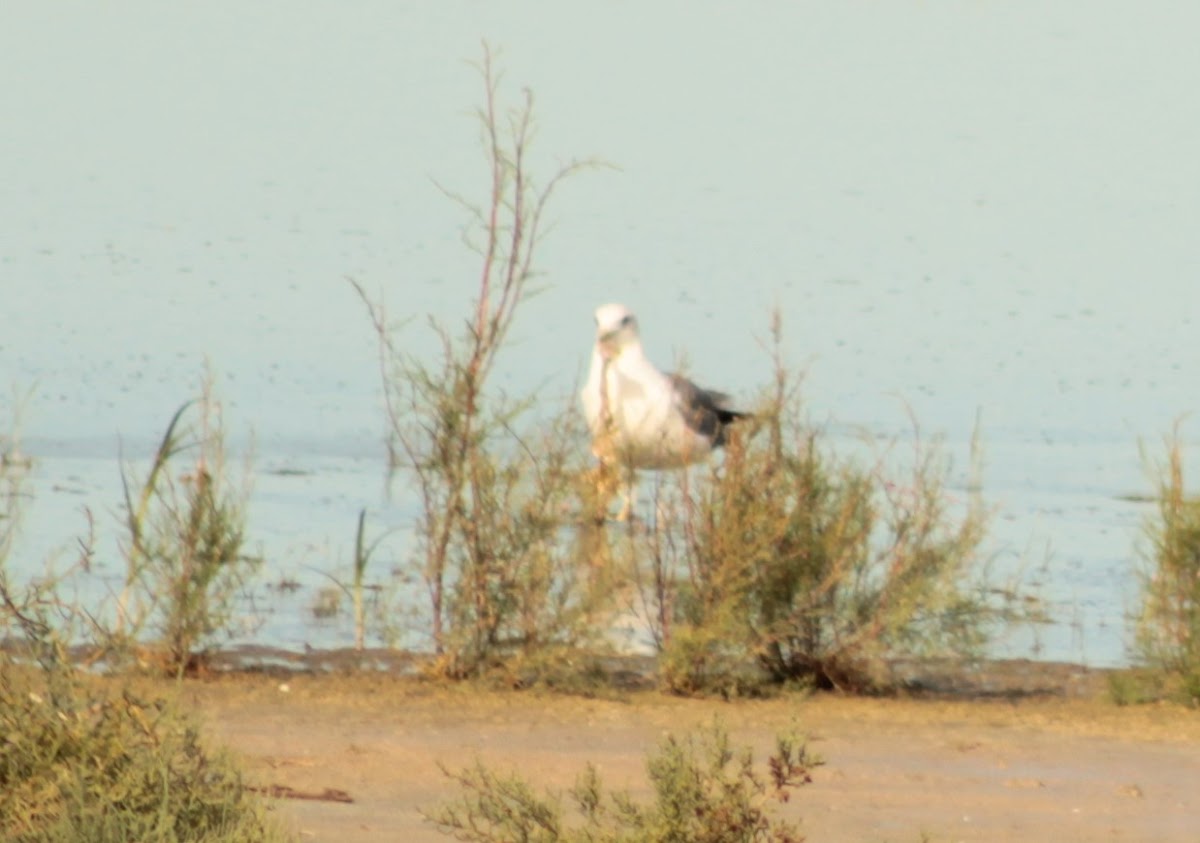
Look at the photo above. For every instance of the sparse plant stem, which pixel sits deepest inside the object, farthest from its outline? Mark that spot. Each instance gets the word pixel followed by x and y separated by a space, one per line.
pixel 361 556
pixel 357 586
pixel 443 427
pixel 136 557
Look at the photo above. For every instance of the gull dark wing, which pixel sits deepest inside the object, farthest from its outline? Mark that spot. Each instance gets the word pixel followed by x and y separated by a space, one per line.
pixel 704 410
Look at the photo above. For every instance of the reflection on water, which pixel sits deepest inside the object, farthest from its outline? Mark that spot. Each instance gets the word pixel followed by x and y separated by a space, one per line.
pixel 957 208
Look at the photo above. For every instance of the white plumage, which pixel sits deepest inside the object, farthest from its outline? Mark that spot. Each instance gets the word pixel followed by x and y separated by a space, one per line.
pixel 640 417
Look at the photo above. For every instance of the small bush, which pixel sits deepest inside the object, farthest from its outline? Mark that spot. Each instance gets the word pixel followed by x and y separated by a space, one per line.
pixel 81 764
pixel 185 548
pixel 813 568
pixel 1135 687
pixel 1168 624
pixel 493 490
pixel 85 765
pixel 704 792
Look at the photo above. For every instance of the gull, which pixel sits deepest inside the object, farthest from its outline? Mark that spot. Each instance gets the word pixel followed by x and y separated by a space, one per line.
pixel 640 417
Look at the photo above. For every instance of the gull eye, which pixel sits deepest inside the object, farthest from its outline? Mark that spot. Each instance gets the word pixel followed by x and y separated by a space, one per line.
pixel 626 321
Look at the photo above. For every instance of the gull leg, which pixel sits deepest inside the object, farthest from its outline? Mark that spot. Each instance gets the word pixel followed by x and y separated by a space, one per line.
pixel 628 498
pixel 625 511
pixel 605 482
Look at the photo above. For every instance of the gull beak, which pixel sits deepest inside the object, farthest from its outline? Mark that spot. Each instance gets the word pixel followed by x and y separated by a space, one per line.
pixel 609 343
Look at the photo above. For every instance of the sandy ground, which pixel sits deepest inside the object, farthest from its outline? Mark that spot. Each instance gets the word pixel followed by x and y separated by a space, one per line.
pixel 998 767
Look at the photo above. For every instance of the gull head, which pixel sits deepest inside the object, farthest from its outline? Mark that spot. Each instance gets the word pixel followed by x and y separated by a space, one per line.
pixel 616 330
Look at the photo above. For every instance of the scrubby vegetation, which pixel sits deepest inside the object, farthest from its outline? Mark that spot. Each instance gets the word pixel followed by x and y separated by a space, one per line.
pixel 783 564
pixel 790 564
pixel 1168 622
pixel 186 557
pixel 493 489
pixel 703 790
pixel 81 763
pixel 184 552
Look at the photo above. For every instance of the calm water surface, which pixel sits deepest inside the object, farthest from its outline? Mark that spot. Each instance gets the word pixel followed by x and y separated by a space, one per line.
pixel 960 209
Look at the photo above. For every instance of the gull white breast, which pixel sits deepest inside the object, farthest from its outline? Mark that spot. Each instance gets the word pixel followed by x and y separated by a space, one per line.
pixel 639 416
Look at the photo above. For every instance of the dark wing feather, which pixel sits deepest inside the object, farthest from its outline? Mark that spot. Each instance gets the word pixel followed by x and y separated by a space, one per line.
pixel 704 410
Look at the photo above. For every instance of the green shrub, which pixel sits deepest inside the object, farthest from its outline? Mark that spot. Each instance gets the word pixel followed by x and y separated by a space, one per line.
pixel 82 764
pixel 704 792
pixel 817 570
pixel 1168 624
pixel 1135 687
pixel 185 546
